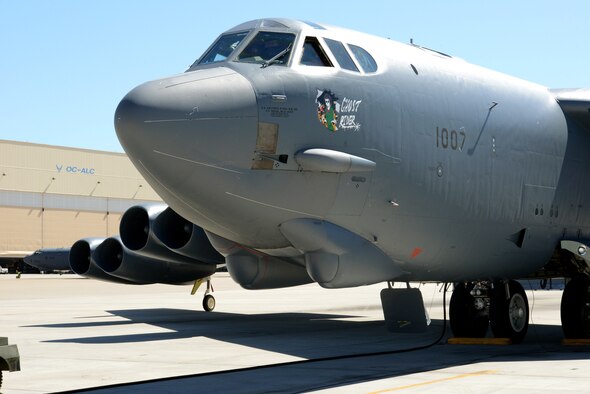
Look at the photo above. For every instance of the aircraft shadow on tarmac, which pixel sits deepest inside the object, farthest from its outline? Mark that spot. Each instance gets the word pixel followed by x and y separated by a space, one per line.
pixel 306 335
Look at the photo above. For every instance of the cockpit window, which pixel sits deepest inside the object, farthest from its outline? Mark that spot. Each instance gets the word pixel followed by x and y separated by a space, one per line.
pixel 223 47
pixel 268 47
pixel 313 54
pixel 364 58
pixel 341 55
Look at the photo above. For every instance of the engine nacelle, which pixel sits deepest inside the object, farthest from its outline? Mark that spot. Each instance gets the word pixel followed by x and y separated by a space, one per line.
pixel 255 270
pixel 136 229
pixel 82 263
pixel 184 237
pixel 135 226
pixel 116 260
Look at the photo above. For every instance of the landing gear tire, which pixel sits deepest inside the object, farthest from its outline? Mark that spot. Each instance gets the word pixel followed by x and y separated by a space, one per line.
pixel 208 303
pixel 509 313
pixel 575 308
pixel 466 320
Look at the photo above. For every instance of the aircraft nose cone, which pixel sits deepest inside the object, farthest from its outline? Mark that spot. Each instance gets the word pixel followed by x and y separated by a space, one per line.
pixel 140 106
pixel 200 116
pixel 191 136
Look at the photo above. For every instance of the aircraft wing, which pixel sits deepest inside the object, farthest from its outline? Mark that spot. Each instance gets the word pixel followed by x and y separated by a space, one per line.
pixel 575 103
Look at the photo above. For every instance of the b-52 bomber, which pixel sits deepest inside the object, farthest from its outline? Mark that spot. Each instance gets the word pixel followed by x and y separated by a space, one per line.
pixel 297 152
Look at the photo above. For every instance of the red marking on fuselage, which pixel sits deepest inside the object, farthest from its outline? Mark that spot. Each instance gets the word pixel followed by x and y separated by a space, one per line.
pixel 415 253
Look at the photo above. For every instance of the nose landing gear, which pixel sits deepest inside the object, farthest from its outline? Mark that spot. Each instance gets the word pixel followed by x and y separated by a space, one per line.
pixel 208 299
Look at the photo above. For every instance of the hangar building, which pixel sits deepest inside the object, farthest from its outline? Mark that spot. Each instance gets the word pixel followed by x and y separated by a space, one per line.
pixel 51 196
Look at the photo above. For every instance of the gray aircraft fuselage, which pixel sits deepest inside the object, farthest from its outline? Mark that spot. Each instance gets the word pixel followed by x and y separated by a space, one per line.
pixel 49 259
pixel 436 168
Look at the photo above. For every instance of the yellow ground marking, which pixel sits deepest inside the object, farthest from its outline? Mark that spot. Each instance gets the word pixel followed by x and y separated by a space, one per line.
pixel 461 376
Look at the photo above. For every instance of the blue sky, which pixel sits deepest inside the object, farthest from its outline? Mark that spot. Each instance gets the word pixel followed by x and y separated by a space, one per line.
pixel 65 64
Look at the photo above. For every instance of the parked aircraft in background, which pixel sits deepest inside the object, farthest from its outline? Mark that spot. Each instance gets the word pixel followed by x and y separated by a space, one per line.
pixel 49 260
pixel 309 153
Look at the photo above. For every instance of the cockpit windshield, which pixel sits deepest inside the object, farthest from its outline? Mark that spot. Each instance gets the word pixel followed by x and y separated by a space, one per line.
pixel 268 48
pixel 223 47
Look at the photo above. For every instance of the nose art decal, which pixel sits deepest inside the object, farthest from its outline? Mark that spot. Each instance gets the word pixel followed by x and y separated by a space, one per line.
pixel 335 115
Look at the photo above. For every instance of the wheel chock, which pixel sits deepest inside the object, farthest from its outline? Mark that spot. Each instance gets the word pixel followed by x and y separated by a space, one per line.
pixel 479 341
pixel 576 342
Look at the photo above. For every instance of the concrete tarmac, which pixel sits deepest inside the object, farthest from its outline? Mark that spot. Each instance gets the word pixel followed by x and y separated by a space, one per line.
pixel 81 334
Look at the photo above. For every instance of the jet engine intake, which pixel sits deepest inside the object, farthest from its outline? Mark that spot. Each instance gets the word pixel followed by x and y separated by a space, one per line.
pixel 82 263
pixel 136 224
pixel 117 260
pixel 184 237
pixel 137 234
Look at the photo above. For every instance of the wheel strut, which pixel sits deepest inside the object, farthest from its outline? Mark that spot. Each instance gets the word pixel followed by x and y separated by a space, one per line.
pixel 208 299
